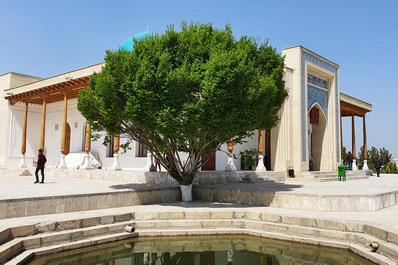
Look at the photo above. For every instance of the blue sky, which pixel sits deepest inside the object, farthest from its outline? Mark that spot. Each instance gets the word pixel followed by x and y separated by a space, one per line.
pixel 46 38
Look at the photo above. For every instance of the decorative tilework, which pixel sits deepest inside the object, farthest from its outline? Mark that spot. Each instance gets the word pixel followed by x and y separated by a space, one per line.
pixel 325 65
pixel 312 79
pixel 320 96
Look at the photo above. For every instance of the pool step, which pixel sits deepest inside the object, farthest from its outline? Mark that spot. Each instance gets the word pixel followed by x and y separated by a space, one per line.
pixel 40 235
pixel 32 239
pixel 102 239
pixel 241 226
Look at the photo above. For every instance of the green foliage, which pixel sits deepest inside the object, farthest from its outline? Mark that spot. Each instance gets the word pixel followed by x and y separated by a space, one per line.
pixel 249 158
pixel 393 167
pixel 187 91
pixel 383 155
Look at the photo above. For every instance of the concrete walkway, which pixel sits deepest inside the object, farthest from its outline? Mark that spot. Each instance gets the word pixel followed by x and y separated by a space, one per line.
pixel 17 187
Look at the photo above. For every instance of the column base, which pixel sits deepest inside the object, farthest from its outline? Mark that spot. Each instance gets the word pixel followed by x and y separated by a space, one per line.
pixel 86 163
pixel 354 165
pixel 62 163
pixel 260 167
pixel 116 164
pixel 230 164
pixel 365 165
pixel 148 162
pixel 22 164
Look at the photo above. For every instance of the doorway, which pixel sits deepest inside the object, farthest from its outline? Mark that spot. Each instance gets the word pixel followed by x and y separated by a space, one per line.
pixel 211 163
pixel 317 146
pixel 267 150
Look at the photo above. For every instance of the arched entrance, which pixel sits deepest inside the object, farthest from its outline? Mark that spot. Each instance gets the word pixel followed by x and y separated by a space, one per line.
pixel 317 145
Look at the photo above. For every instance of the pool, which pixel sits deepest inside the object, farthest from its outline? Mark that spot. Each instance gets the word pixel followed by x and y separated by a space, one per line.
pixel 203 250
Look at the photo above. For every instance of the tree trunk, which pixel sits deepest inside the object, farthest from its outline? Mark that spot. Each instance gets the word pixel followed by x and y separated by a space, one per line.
pixel 186 192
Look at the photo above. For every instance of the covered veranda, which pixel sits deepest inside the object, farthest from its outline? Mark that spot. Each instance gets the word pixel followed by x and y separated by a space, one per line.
pixel 351 107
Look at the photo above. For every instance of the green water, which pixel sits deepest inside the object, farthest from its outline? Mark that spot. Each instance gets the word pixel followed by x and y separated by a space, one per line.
pixel 198 250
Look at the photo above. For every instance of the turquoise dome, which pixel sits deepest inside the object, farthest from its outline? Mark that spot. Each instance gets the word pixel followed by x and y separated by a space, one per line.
pixel 129 43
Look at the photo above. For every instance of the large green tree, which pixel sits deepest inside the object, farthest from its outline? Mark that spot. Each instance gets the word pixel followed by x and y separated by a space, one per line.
pixel 187 91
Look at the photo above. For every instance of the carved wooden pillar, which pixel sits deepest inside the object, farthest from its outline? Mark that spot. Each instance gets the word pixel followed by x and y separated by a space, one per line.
pixel 116 147
pixel 87 148
pixel 260 142
pixel 22 164
pixel 230 146
pixel 354 146
pixel 116 144
pixel 43 124
pixel 87 144
pixel 64 124
pixel 365 145
pixel 341 138
pixel 64 149
pixel 260 165
pixel 230 163
pixel 24 130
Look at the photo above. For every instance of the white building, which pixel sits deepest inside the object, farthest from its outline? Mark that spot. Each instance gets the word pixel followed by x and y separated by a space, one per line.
pixel 34 113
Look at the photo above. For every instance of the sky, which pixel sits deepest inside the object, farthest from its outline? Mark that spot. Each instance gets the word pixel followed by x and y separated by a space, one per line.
pixel 46 38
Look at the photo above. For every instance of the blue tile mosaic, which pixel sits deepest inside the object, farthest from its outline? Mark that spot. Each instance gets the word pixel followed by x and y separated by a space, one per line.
pixel 305 56
pixel 320 96
pixel 314 80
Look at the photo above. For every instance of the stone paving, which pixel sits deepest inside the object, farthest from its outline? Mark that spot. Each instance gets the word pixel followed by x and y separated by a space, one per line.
pixel 17 187
pixel 385 220
pixel 13 186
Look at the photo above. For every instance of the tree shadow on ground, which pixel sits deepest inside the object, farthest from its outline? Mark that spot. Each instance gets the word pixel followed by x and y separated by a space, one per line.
pixel 141 186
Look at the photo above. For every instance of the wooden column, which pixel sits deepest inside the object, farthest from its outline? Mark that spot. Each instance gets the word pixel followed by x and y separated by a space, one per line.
pixel 87 145
pixel 365 144
pixel 341 137
pixel 43 124
pixel 64 123
pixel 116 144
pixel 354 147
pixel 230 147
pixel 24 130
pixel 260 142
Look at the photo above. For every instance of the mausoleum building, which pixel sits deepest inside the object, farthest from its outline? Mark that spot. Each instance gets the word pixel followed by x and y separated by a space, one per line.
pixel 42 113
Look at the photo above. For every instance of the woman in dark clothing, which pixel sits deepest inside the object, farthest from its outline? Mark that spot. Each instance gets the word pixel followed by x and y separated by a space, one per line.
pixel 41 160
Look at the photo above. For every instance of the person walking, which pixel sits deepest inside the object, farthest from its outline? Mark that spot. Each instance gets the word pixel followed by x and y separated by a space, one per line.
pixel 378 166
pixel 41 161
pixel 350 160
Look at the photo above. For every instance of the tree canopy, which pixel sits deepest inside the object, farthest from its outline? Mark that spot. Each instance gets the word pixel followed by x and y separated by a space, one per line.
pixel 187 91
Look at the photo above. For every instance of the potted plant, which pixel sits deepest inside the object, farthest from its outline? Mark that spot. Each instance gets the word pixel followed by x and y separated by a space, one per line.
pixel 249 159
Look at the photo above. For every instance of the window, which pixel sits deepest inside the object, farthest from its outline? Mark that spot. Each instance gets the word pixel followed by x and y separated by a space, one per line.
pixel 142 150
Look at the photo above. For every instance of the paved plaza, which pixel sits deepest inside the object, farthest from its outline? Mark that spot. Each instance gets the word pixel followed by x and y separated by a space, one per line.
pixel 16 187
pixel 19 187
pixel 68 208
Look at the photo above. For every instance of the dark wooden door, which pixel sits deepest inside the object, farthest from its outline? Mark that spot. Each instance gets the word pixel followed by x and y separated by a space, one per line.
pixel 267 150
pixel 211 163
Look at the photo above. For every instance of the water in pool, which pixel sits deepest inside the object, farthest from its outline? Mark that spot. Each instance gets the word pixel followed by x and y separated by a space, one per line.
pixel 198 250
